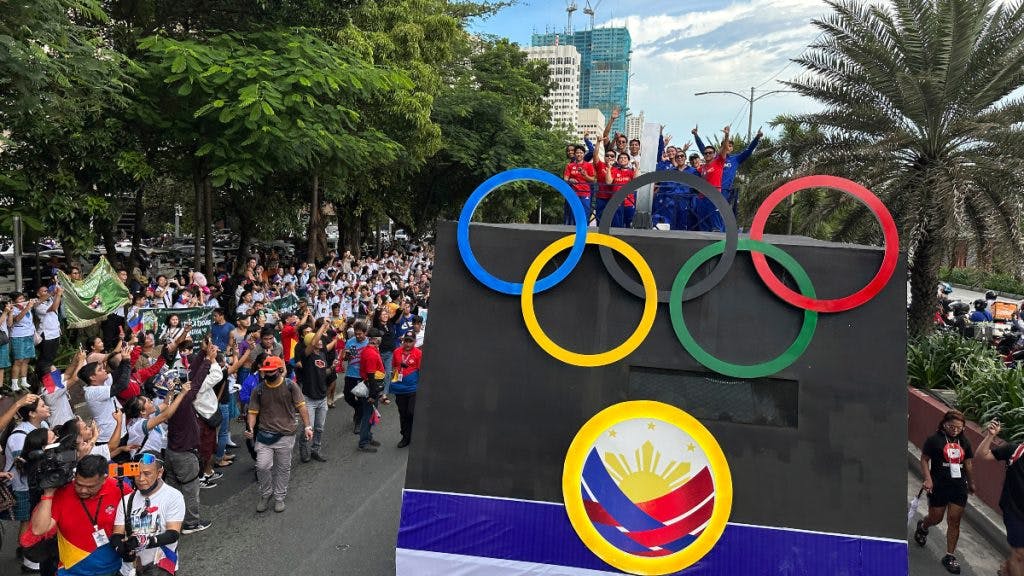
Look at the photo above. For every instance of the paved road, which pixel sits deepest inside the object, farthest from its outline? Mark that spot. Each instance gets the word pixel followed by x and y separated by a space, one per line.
pixel 342 515
pixel 342 518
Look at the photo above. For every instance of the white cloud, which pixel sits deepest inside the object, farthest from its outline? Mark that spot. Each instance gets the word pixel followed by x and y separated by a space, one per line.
pixel 739 45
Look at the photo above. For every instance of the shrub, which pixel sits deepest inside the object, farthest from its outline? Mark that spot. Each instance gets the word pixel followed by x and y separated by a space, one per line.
pixel 931 360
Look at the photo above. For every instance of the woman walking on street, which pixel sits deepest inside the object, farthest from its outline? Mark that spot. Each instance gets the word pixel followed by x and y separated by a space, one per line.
pixel 947 467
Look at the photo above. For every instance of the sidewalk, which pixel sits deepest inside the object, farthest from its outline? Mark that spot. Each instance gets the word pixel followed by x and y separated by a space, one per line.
pixel 978 554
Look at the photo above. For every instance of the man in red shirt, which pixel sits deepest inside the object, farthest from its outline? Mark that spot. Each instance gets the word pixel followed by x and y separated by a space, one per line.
pixel 619 174
pixel 580 175
pixel 82 512
pixel 371 370
pixel 708 218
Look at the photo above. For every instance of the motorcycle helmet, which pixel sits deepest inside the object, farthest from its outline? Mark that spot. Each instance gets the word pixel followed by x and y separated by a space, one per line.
pixel 980 304
pixel 960 308
pixel 946 288
pixel 990 295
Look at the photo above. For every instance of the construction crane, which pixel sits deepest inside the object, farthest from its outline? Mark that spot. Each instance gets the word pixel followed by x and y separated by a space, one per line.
pixel 570 7
pixel 591 10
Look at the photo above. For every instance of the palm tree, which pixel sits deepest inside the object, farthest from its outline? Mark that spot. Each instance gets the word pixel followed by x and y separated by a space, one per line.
pixel 919 107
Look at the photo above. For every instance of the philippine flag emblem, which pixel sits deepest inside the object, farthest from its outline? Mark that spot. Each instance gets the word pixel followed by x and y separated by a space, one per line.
pixel 647 488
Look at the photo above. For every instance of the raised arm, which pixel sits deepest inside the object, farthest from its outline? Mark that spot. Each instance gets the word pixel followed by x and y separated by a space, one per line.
pixel 984 451
pixel 725 138
pixel 697 140
pixel 58 293
pixel 611 120
pixel 742 157
pixel 169 409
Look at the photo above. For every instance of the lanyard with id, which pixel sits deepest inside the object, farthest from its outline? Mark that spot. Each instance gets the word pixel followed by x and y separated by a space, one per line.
pixel 98 535
pixel 954 456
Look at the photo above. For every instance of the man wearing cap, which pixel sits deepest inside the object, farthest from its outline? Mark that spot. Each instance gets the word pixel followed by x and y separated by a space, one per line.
pixel 272 410
pixel 404 382
pixel 313 373
pixel 371 370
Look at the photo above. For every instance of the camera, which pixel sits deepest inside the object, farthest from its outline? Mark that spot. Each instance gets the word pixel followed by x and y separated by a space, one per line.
pixel 126 470
pixel 51 467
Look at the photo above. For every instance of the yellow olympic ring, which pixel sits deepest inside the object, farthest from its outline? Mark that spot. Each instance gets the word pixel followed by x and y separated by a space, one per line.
pixel 573 472
pixel 620 351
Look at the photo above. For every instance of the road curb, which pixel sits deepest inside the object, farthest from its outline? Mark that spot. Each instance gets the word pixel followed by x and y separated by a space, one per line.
pixel 986 521
pixel 982 289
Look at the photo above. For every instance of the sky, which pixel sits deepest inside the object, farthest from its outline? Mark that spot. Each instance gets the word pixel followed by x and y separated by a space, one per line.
pixel 680 48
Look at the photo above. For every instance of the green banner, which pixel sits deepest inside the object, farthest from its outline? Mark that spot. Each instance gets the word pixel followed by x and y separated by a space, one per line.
pixel 90 300
pixel 289 303
pixel 155 320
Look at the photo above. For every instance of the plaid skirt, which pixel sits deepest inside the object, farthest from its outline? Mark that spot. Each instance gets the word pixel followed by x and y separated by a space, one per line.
pixel 22 510
pixel 24 347
pixel 5 356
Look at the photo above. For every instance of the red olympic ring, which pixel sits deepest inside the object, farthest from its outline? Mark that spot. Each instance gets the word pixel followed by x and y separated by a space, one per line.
pixel 889 232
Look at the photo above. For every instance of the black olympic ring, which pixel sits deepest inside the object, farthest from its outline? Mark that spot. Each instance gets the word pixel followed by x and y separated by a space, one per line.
pixel 702 186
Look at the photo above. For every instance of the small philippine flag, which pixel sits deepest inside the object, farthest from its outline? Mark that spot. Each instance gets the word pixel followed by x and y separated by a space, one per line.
pixel 135 324
pixel 52 380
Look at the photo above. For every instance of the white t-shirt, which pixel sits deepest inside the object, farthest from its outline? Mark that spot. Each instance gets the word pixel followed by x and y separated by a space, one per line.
pixel 60 406
pixel 48 321
pixel 23 327
pixel 15 442
pixel 149 516
pixel 102 407
pixel 154 442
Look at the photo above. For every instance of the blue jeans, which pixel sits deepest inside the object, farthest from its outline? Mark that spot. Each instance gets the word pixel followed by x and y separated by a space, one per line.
pixel 224 432
pixel 387 358
pixel 599 212
pixel 567 213
pixel 364 423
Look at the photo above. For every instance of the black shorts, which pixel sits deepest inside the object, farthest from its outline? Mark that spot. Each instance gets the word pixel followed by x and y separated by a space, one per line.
pixel 1014 529
pixel 943 496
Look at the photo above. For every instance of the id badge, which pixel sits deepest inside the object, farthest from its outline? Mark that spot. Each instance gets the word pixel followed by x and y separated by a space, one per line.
pixel 99 537
pixel 398 376
pixel 954 471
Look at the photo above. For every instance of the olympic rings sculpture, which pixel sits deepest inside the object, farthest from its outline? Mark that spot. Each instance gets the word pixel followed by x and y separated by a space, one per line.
pixel 680 292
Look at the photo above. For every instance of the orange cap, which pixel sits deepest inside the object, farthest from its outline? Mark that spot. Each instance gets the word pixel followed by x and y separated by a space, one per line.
pixel 272 363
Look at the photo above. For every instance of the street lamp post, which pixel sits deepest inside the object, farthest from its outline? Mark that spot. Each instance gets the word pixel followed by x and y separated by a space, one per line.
pixel 750 101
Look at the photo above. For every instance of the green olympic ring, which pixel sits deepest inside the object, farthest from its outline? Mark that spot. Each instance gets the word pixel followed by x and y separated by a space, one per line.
pixel 769 367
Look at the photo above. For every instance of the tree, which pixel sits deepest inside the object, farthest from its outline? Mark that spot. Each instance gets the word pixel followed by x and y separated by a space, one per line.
pixel 493 117
pixel 919 108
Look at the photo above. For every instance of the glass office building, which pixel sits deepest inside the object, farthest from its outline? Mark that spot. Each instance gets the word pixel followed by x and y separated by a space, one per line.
pixel 604 67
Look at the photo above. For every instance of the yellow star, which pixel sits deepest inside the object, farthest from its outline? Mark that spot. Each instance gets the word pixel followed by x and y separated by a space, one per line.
pixel 613 433
pixel 650 425
pixel 691 447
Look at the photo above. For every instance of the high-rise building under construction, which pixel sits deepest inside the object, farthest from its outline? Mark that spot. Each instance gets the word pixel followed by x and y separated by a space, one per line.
pixel 604 67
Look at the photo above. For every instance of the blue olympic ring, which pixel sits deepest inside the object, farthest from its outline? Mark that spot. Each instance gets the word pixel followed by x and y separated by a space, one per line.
pixel 481 192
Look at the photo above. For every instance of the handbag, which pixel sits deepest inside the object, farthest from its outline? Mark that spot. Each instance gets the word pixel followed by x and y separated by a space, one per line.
pixel 7 500
pixel 213 421
pixel 4 338
pixel 360 390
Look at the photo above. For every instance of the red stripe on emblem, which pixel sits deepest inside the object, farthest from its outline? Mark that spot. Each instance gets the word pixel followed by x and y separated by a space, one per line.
pixel 684 498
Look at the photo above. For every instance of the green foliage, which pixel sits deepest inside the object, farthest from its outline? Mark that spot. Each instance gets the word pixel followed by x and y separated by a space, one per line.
pixel 934 360
pixel 983 279
pixel 919 106
pixel 987 390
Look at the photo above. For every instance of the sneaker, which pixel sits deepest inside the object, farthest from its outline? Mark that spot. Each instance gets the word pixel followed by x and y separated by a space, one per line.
pixel 368 448
pixel 214 476
pixel 197 527
pixel 28 567
pixel 261 506
pixel 279 506
pixel 374 443
pixel 921 534
pixel 951 563
pixel 318 457
pixel 231 444
pixel 403 443
pixel 204 484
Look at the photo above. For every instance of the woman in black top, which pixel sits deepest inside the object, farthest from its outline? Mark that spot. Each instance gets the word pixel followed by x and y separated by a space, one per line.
pixel 946 464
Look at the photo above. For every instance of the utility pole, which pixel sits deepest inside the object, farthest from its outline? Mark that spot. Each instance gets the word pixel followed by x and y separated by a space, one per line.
pixel 750 102
pixel 18 253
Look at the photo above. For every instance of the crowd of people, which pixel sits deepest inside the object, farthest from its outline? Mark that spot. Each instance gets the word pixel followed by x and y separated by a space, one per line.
pixel 596 170
pixel 110 456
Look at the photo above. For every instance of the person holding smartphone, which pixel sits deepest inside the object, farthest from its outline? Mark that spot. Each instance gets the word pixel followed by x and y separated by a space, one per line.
pixel 1011 501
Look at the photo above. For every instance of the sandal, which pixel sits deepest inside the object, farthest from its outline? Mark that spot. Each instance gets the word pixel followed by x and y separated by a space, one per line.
pixel 223 463
pixel 951 563
pixel 921 534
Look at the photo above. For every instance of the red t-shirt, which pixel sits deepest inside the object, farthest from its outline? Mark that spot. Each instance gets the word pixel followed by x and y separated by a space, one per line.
pixel 578 170
pixel 370 362
pixel 289 336
pixel 713 171
pixel 74 525
pixel 621 177
pixel 604 191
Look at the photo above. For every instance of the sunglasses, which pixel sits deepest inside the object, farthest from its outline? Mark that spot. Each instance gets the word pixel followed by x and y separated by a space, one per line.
pixel 150 459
